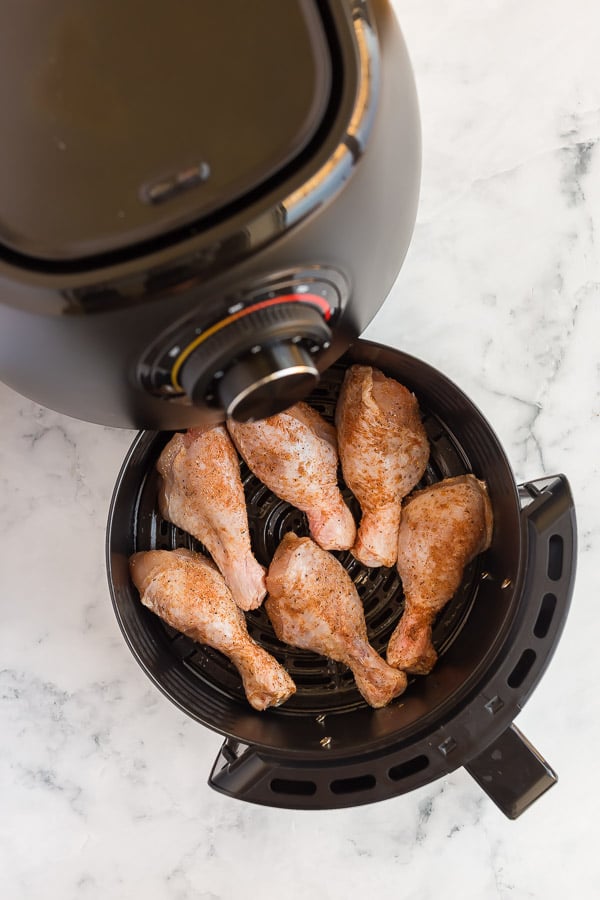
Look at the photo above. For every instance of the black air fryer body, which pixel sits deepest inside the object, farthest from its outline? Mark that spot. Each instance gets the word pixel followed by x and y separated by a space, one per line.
pixel 201 204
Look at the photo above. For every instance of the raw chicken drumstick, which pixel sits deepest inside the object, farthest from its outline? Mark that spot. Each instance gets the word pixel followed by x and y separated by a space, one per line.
pixel 443 528
pixel 312 603
pixel 189 593
pixel 202 493
pixel 384 451
pixel 295 454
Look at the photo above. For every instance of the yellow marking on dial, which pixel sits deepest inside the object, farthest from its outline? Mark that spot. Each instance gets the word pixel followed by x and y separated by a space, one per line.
pixel 315 299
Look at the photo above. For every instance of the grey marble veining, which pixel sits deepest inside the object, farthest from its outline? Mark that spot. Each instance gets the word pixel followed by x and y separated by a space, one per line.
pixel 102 781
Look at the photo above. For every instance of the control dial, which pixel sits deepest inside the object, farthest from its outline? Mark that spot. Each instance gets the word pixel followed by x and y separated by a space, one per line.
pixel 258 364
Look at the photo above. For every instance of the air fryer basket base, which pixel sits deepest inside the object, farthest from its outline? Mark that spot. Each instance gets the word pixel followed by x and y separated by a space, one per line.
pixel 326 748
pixel 480 736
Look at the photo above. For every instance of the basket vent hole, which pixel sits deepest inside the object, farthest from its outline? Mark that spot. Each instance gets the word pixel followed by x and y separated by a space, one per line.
pixel 317 679
pixel 295 787
pixel 545 616
pixel 555 557
pixel 408 768
pixel 522 668
pixel 390 581
pixel 307 663
pixel 350 785
pixel 382 617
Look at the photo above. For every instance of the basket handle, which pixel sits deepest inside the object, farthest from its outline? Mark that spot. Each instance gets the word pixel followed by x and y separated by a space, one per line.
pixel 512 772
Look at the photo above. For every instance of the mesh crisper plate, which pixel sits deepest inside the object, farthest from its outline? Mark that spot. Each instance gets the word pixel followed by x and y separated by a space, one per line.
pixel 322 685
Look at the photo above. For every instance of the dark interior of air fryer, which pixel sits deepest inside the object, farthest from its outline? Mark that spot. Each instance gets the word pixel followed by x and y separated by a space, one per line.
pixel 322 684
pixel 204 683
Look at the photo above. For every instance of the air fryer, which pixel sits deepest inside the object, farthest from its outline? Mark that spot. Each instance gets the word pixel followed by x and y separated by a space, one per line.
pixel 202 207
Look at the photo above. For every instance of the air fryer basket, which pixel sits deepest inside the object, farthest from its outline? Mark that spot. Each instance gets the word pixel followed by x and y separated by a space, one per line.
pixel 326 747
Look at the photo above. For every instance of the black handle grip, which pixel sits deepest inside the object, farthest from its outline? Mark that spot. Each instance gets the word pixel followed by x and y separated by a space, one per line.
pixel 550 533
pixel 512 772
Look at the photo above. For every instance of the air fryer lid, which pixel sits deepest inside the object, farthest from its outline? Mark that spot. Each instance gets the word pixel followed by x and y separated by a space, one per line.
pixel 494 638
pixel 111 107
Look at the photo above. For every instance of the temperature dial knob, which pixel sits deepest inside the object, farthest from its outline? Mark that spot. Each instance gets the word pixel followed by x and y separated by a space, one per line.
pixel 258 365
pixel 268 381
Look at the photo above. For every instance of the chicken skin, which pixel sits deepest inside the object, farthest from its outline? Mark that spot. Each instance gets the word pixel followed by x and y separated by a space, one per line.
pixel 295 454
pixel 189 593
pixel 384 451
pixel 312 603
pixel 202 493
pixel 443 528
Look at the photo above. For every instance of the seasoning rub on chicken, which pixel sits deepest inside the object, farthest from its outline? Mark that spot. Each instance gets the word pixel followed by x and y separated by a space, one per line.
pixel 202 493
pixel 313 603
pixel 295 454
pixel 443 528
pixel 189 593
pixel 384 452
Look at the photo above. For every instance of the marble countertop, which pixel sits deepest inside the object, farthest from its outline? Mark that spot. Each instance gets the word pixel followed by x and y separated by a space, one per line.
pixel 102 781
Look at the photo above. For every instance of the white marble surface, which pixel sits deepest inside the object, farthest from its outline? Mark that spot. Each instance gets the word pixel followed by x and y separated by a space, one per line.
pixel 102 781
